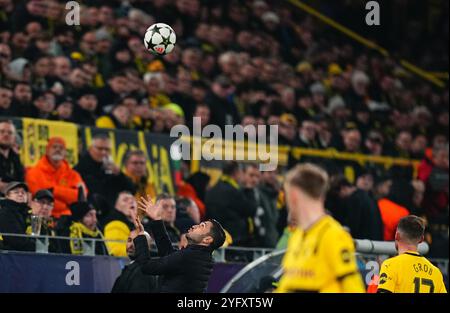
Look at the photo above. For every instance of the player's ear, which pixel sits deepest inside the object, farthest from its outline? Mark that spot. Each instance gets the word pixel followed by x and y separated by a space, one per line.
pixel 397 236
pixel 208 240
pixel 422 239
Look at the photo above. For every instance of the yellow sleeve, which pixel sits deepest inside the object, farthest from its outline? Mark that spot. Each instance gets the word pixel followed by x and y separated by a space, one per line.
pixel 104 122
pixel 388 277
pixel 117 230
pixel 340 253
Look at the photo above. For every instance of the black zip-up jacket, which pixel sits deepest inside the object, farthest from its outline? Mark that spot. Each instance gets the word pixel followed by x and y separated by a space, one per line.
pixel 132 280
pixel 13 220
pixel 185 270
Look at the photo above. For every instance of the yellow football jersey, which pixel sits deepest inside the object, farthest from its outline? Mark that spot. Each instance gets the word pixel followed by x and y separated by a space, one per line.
pixel 410 272
pixel 321 259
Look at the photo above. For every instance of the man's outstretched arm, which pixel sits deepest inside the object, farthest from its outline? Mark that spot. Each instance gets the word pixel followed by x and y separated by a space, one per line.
pixel 161 238
pixel 164 265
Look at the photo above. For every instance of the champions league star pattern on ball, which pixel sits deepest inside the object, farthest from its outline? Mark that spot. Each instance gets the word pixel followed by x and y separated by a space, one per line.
pixel 160 39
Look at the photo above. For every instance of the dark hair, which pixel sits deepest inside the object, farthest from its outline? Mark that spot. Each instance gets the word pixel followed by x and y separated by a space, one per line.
pixel 131 153
pixel 217 233
pixel 230 168
pixel 100 136
pixel 250 166
pixel 6 121
pixel 164 196
pixel 411 228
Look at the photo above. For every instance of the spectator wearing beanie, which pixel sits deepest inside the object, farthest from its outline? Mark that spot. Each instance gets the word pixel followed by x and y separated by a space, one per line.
pixel 81 227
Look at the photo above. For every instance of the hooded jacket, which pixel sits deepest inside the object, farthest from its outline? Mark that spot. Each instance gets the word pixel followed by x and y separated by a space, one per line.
pixel 62 180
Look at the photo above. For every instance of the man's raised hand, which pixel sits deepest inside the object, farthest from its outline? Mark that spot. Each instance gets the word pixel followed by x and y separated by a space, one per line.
pixel 147 207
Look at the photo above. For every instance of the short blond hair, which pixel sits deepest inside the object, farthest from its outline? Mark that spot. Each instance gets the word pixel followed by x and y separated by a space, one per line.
pixel 309 178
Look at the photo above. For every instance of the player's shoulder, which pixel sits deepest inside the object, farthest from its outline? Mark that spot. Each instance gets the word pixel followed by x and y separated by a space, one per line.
pixel 334 232
pixel 434 267
pixel 390 262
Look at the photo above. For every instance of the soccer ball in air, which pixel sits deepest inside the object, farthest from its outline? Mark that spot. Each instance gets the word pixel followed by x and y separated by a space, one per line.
pixel 160 39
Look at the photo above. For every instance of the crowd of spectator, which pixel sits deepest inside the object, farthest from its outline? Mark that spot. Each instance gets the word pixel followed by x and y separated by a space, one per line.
pixel 235 62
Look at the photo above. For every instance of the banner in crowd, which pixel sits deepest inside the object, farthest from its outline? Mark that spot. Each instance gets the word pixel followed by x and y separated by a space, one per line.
pixel 36 133
pixel 161 168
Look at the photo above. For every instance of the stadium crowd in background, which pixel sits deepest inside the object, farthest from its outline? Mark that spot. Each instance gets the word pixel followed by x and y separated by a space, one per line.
pixel 235 62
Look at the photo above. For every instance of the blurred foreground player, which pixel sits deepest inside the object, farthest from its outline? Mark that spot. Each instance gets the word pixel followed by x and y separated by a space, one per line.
pixel 185 270
pixel 320 256
pixel 409 271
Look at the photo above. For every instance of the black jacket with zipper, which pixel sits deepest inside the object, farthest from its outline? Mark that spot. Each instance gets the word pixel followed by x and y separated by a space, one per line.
pixel 13 219
pixel 185 270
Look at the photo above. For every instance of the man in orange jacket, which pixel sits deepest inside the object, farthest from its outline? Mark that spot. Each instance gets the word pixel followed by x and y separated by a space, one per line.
pixel 54 172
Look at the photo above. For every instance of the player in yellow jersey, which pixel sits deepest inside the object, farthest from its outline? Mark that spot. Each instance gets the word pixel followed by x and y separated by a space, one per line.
pixel 320 256
pixel 409 271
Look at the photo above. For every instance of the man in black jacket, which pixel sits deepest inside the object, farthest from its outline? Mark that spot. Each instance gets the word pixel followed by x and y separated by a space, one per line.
pixel 355 208
pixel 13 216
pixel 228 203
pixel 10 167
pixel 103 178
pixel 185 270
pixel 132 279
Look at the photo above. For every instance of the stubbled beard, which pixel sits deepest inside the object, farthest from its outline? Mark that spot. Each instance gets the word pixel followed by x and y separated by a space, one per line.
pixel 132 256
pixel 4 146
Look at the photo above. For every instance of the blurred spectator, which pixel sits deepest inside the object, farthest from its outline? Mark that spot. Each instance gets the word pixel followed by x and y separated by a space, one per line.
pixel 188 214
pixel 308 135
pixel 103 178
pixel 84 111
pixel 131 279
pixel 120 118
pixel 402 146
pixel 223 111
pixel 6 97
pixel 169 215
pixel 202 112
pixel 264 198
pixel 354 208
pixel 54 172
pixel 82 226
pixel 119 223
pixel 351 138
pixel 135 162
pixel 11 168
pixel 43 105
pixel 64 110
pixel 19 70
pixel 22 104
pixel 287 129
pixel 14 211
pixel 434 172
pixel 194 188
pixel 419 146
pixel 227 203
pixel 390 210
pixel 42 205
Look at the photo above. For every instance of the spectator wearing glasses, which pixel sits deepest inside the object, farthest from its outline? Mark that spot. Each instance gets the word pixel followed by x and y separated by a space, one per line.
pixel 103 177
pixel 42 205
